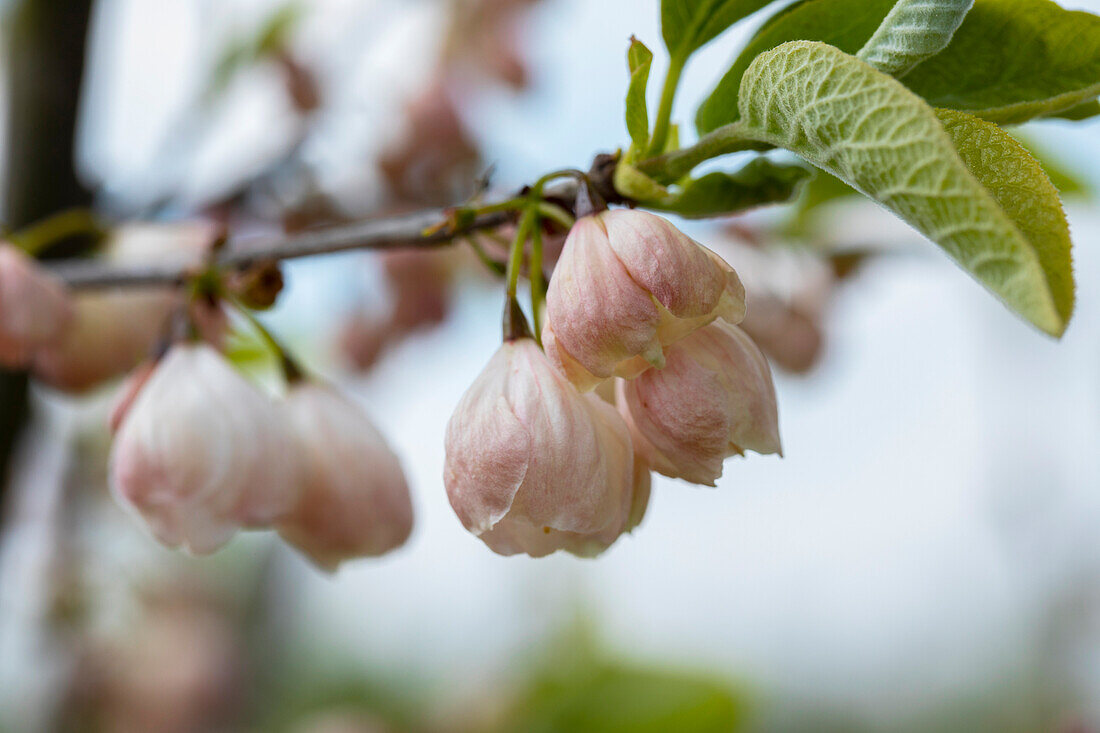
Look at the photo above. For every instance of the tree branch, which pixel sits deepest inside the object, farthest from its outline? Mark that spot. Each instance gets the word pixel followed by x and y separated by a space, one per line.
pixel 416 230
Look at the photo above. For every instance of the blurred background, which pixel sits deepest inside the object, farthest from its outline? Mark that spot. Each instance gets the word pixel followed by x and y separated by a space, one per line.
pixel 925 557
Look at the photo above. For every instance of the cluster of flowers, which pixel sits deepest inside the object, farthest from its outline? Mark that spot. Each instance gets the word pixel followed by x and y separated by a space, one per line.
pixel 644 369
pixel 199 451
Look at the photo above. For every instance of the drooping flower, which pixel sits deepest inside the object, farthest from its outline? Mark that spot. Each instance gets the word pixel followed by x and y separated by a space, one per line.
pixel 34 307
pixel 628 284
pixel 354 500
pixel 714 398
pixel 534 466
pixel 201 452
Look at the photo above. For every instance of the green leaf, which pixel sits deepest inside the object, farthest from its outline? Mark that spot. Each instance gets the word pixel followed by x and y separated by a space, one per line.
pixel 1009 61
pixel 1012 60
pixel 688 24
pixel 1004 167
pixel 913 31
pixel 639 59
pixel 758 183
pixel 617 698
pixel 846 24
pixel 1065 178
pixel 988 205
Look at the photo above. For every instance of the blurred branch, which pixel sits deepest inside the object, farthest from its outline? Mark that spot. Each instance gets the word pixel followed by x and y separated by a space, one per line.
pixel 417 230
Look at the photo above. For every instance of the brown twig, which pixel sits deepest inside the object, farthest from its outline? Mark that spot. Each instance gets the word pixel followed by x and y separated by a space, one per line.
pixel 419 229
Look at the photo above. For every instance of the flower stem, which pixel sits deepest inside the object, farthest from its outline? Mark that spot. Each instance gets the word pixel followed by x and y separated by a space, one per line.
pixel 515 256
pixel 292 371
pixel 538 284
pixel 675 164
pixel 557 214
pixel 664 111
pixel 515 325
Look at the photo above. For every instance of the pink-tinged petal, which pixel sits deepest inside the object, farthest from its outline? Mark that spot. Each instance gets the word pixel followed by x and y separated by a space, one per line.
pixel 686 278
pixel 201 453
pixel 643 486
pixel 573 370
pixel 34 307
pixel 628 284
pixel 533 465
pixel 487 447
pixel 714 398
pixel 599 314
pixel 354 500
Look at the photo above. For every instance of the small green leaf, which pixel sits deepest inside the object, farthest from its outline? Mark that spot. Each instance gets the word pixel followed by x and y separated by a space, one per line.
pixel 688 24
pixel 1009 61
pixel 1012 60
pixel 639 59
pixel 758 183
pixel 912 31
pixel 988 205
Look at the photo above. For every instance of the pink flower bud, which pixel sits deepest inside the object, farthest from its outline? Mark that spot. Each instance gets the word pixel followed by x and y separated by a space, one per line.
pixel 34 308
pixel 714 398
pixel 629 283
pixel 201 453
pixel 533 465
pixel 354 500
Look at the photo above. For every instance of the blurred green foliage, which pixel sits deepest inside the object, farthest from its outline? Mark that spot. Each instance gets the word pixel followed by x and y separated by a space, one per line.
pixel 267 40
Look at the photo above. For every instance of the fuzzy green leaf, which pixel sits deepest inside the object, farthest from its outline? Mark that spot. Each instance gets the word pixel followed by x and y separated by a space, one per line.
pixel 758 183
pixel 1025 193
pixel 639 59
pixel 1009 61
pixel 987 204
pixel 688 24
pixel 913 31
pixel 846 24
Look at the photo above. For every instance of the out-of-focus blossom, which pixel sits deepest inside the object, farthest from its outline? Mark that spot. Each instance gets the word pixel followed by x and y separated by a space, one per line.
pixel 435 162
pixel 354 500
pixel 788 292
pixel 484 38
pixel 114 331
pixel 201 453
pixel 300 82
pixel 420 287
pixel 534 466
pixel 178 669
pixel 714 398
pixel 363 339
pixel 34 307
pixel 628 283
